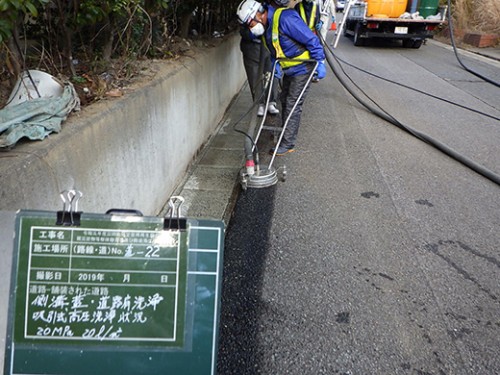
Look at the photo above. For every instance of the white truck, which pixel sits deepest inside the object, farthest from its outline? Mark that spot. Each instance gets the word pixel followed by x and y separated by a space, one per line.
pixel 412 29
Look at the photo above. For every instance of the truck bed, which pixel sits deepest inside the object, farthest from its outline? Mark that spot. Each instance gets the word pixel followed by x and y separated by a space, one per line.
pixel 378 19
pixel 411 31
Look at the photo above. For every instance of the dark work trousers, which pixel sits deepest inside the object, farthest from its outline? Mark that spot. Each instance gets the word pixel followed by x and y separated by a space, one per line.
pixel 292 87
pixel 251 56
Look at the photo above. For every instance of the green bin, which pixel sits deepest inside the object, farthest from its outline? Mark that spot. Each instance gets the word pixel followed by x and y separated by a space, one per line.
pixel 428 8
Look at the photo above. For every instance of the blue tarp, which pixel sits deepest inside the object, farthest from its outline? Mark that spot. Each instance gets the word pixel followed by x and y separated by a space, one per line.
pixel 37 118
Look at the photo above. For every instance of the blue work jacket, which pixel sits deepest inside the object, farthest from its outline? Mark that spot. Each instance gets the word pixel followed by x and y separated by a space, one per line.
pixel 295 37
pixel 310 18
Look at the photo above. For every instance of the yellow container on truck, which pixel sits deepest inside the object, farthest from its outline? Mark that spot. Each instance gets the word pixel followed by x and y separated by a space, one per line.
pixel 386 8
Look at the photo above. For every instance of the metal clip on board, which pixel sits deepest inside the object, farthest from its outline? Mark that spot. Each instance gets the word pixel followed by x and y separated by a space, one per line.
pixel 173 219
pixel 69 216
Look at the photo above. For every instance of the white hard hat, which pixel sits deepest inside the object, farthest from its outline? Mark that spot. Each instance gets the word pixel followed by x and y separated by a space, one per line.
pixel 248 9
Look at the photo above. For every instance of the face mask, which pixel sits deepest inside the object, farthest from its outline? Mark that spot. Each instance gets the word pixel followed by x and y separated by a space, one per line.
pixel 258 29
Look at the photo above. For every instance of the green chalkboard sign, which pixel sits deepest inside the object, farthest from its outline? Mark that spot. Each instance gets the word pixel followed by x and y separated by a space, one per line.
pixel 113 295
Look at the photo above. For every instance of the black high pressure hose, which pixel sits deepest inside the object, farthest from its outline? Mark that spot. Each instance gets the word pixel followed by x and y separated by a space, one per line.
pixel 483 171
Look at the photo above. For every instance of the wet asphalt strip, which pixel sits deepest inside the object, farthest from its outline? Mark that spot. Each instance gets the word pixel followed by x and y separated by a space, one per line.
pixel 246 248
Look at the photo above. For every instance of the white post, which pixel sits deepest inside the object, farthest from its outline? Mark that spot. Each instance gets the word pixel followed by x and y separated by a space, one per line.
pixel 341 26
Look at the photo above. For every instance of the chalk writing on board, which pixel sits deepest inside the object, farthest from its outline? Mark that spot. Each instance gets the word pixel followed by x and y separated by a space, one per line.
pixel 103 285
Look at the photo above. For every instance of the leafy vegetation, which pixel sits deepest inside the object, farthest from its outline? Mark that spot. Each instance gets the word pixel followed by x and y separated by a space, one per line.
pixel 80 38
pixel 84 39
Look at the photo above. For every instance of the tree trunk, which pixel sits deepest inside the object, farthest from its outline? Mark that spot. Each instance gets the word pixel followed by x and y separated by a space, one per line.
pixel 185 24
pixel 13 56
pixel 147 36
pixel 67 38
pixel 107 48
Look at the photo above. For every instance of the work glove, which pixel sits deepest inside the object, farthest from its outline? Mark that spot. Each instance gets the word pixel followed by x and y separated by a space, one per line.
pixel 321 70
pixel 278 73
pixel 319 25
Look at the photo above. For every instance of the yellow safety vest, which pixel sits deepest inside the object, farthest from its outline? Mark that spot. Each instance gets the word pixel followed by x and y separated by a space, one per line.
pixel 312 22
pixel 277 46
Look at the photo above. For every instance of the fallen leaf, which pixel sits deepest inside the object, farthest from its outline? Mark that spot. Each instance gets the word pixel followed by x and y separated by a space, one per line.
pixel 115 93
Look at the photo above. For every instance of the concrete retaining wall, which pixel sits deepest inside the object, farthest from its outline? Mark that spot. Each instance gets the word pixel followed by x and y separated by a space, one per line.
pixel 129 152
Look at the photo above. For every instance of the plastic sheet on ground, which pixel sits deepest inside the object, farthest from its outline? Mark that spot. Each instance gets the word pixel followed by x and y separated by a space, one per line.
pixel 37 118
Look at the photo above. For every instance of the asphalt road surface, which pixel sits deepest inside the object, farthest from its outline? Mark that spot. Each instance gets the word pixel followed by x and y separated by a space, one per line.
pixel 379 254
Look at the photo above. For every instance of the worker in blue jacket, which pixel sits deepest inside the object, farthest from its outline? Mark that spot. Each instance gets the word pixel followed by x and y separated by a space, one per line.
pixel 253 51
pixel 290 41
pixel 309 11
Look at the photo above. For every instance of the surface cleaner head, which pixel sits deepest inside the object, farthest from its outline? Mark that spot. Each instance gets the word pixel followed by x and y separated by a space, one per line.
pixel 260 179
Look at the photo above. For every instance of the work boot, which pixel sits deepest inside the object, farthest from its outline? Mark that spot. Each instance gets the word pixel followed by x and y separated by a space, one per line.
pixel 272 109
pixel 261 110
pixel 282 150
